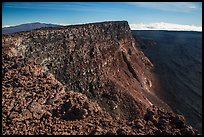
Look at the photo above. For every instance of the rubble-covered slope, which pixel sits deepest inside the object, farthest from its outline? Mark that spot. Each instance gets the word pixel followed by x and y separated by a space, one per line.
pixel 100 63
pixel 98 59
pixel 35 103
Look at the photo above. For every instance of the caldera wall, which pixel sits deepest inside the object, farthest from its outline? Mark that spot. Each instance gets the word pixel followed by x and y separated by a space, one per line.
pixel 97 59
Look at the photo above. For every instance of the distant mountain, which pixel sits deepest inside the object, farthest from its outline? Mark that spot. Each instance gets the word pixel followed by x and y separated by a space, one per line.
pixel 26 27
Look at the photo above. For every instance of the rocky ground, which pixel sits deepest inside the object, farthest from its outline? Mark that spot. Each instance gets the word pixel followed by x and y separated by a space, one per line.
pixel 70 80
pixel 34 103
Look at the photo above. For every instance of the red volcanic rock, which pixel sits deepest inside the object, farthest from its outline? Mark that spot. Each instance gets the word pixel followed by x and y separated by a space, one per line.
pixel 178 121
pixel 105 67
pixel 71 80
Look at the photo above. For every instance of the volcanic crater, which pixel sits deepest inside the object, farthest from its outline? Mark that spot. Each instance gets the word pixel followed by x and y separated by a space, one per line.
pixel 82 79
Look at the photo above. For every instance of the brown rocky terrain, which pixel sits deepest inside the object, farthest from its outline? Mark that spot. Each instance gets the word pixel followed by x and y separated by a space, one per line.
pixel 81 79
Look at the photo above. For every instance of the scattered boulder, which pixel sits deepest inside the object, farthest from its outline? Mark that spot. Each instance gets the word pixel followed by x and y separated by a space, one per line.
pixel 178 120
pixel 121 131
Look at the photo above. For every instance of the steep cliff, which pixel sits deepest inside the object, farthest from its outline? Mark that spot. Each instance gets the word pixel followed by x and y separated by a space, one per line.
pixel 98 60
pixel 95 59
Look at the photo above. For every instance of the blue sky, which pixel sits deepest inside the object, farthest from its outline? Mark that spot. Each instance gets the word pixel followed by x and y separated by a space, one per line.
pixel 188 13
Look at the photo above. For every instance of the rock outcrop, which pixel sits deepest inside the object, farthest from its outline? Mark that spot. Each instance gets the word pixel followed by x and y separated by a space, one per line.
pixel 81 79
pixel 34 102
pixel 95 59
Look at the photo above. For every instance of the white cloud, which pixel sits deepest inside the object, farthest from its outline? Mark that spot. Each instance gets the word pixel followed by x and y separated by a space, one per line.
pixel 193 7
pixel 62 24
pixel 65 24
pixel 169 6
pixel 165 26
pixel 73 6
pixel 6 26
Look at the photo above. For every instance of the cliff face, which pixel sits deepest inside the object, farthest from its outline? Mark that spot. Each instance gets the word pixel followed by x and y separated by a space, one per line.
pixel 177 58
pixel 42 67
pixel 98 59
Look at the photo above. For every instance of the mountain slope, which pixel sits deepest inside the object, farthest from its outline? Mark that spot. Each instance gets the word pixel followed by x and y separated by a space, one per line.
pixel 178 60
pixel 26 27
pixel 100 61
